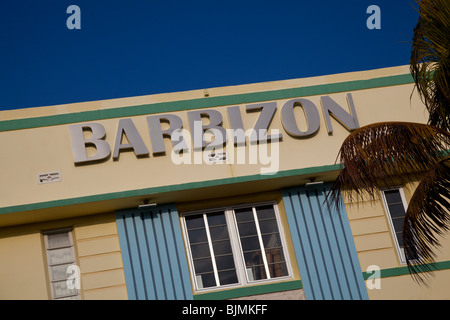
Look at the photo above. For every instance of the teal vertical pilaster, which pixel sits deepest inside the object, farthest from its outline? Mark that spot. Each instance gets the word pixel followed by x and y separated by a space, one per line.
pixel 153 254
pixel 324 246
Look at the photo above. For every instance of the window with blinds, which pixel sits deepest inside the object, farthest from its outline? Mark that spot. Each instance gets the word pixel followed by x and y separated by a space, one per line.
pixel 395 206
pixel 60 259
pixel 235 246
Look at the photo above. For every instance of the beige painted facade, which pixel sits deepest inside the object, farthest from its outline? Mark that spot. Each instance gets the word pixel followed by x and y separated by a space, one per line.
pixel 36 149
pixel 23 267
pixel 375 246
pixel 87 196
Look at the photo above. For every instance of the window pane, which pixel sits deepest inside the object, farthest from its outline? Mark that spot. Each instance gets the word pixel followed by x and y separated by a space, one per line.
pixel 245 214
pixel 400 239
pixel 265 212
pixel 228 277
pixel 396 210
pixel 59 272
pixel 392 196
pixel 216 219
pixel 253 258
pixel 59 256
pixel 274 255
pixel 247 229
pixel 397 214
pixel 250 243
pixel 268 226
pixel 58 240
pixel 200 251
pixel 278 270
pixel 398 224
pixel 203 265
pixel 193 222
pixel 220 239
pixel 218 233
pixel 197 235
pixel 222 247
pixel 251 246
pixel 224 262
pixel 206 280
pixel 256 273
pixel 60 289
pixel 213 253
pixel 271 240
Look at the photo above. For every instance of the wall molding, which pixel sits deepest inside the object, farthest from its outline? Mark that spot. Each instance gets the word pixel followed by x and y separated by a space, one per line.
pixel 181 105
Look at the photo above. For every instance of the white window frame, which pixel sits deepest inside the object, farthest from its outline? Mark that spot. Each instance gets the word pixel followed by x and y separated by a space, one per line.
pixel 77 295
pixel 235 241
pixel 400 250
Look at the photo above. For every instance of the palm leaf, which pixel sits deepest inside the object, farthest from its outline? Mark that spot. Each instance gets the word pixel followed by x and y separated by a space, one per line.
pixel 427 217
pixel 430 60
pixel 392 153
pixel 383 154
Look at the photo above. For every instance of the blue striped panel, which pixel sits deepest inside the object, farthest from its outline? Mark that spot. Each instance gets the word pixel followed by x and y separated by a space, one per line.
pixel 324 246
pixel 153 254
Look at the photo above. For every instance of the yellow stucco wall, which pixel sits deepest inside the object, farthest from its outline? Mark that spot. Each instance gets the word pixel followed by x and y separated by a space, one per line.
pixel 404 288
pixel 48 148
pixel 23 273
pixel 28 152
pixel 375 246
pixel 23 266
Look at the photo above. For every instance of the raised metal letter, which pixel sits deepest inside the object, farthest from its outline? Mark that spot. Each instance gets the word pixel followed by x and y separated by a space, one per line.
pixel 311 115
pixel 215 123
pixel 262 124
pixel 349 121
pixel 235 118
pixel 97 141
pixel 157 134
pixel 126 127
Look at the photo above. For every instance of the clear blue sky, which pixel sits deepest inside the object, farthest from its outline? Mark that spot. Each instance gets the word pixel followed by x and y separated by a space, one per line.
pixel 130 48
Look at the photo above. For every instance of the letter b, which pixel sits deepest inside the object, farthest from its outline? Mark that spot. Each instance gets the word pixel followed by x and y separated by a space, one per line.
pixel 97 141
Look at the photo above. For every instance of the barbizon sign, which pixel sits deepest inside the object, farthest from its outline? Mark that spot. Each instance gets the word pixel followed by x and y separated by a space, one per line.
pixel 240 135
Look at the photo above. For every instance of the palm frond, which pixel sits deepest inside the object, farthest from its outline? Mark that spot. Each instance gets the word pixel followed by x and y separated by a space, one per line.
pixel 383 154
pixel 430 60
pixel 427 217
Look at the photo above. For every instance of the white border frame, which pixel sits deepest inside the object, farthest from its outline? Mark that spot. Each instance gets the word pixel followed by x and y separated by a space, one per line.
pixel 46 233
pixel 282 236
pixel 236 246
pixel 400 252
pixel 189 253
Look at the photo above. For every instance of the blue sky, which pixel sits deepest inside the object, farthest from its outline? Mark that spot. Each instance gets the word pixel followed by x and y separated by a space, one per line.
pixel 132 48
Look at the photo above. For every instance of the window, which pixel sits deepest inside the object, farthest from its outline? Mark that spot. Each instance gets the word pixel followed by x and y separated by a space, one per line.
pixel 60 255
pixel 235 246
pixel 395 204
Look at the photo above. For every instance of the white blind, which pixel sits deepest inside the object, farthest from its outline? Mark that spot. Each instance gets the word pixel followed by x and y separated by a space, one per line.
pixel 60 255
